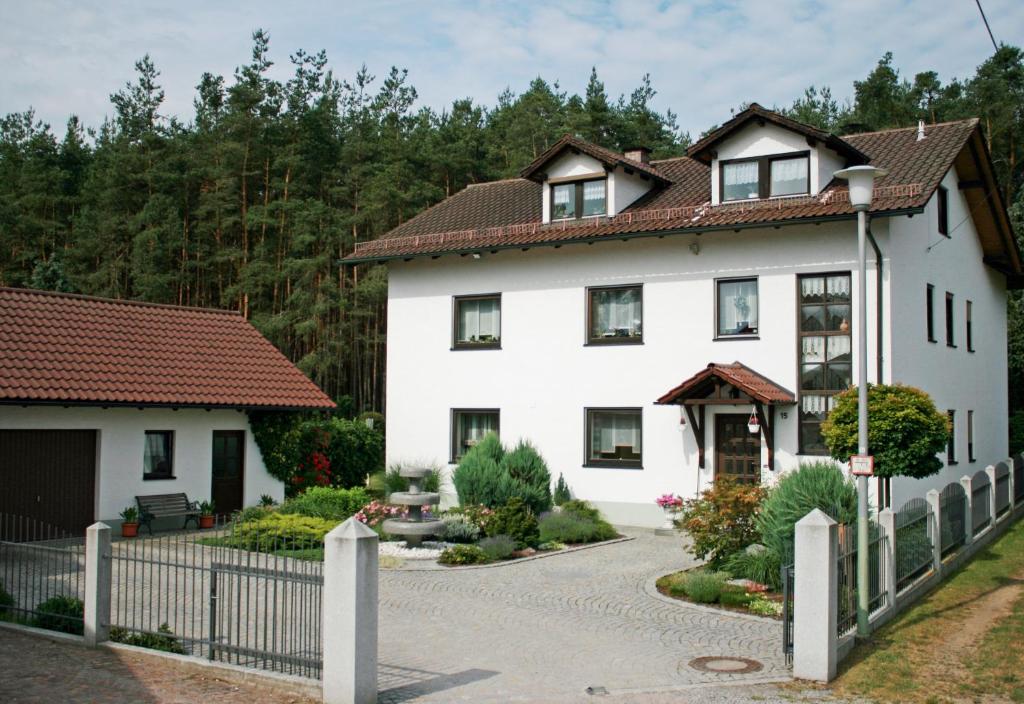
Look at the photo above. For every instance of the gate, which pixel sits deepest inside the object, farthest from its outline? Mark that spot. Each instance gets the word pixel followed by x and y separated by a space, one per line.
pixel 788 574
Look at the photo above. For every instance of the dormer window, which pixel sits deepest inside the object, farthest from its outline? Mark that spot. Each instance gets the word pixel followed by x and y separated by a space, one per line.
pixel 766 176
pixel 579 199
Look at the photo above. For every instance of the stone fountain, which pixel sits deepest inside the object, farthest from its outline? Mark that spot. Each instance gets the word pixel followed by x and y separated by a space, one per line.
pixel 414 526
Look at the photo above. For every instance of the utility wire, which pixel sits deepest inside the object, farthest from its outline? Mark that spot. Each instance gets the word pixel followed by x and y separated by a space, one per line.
pixel 985 20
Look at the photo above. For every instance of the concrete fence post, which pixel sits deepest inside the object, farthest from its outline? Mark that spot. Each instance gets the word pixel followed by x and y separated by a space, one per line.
pixel 350 615
pixel 815 597
pixel 1011 484
pixel 97 584
pixel 887 521
pixel 991 472
pixel 965 482
pixel 934 500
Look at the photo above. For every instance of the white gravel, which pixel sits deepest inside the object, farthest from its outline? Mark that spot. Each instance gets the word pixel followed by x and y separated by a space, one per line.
pixel 430 550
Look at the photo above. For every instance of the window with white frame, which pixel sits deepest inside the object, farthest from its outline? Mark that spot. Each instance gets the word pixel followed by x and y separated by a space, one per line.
pixel 614 437
pixel 737 307
pixel 477 321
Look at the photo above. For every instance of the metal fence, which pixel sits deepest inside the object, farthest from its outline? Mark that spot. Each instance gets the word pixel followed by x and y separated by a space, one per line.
pixel 953 518
pixel 42 570
pixel 847 563
pixel 1018 479
pixel 231 594
pixel 981 513
pixel 787 612
pixel 1003 499
pixel 913 542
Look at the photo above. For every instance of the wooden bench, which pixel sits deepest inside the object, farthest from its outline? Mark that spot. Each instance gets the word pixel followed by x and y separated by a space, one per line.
pixel 166 506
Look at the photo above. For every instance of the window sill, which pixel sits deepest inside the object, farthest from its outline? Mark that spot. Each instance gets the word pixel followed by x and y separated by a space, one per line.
pixel 156 478
pixel 612 341
pixel 481 346
pixel 611 464
pixel 726 338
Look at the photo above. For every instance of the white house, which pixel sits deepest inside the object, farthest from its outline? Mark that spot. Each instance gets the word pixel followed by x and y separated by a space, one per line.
pixel 103 400
pixel 629 316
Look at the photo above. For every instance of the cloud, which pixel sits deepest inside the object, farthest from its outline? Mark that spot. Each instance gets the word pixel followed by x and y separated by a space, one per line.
pixel 703 57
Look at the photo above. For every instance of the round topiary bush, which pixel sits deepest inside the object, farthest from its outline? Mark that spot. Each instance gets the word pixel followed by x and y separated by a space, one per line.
pixel 517 521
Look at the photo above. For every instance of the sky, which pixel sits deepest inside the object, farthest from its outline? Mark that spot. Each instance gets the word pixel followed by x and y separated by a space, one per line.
pixel 704 57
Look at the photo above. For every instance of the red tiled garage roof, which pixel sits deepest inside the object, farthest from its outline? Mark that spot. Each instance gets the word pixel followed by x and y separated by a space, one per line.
pixel 63 348
pixel 736 374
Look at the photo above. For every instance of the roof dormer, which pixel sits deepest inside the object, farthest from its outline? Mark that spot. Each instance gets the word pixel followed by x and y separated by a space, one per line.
pixel 761 154
pixel 582 180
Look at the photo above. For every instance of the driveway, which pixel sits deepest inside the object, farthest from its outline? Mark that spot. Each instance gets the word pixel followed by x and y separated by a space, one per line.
pixel 547 629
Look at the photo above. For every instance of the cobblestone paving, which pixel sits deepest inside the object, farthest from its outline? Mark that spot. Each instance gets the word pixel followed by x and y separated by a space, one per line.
pixel 545 630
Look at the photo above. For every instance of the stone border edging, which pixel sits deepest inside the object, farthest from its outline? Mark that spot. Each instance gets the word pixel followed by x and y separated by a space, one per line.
pixel 436 567
pixel 651 589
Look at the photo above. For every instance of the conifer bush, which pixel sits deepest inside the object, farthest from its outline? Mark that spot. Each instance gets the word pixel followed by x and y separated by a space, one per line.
pixel 516 520
pixel 490 475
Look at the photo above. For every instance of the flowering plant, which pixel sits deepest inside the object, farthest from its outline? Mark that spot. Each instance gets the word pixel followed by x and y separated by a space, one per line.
pixel 375 512
pixel 670 502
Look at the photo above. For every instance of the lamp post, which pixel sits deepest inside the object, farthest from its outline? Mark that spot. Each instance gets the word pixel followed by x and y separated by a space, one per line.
pixel 862 183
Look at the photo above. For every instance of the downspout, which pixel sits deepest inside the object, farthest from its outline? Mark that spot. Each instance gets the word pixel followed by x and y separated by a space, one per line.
pixel 884 490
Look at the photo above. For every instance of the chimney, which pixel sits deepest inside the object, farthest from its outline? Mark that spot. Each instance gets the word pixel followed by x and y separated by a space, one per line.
pixel 641 154
pixel 920 130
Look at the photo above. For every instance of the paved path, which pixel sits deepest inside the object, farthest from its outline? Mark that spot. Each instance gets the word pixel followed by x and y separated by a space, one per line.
pixel 547 629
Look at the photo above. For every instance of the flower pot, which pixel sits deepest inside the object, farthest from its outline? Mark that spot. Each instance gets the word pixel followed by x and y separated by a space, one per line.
pixel 129 530
pixel 206 521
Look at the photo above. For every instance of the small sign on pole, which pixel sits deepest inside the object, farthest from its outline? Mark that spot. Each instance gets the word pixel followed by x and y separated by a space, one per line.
pixel 862 465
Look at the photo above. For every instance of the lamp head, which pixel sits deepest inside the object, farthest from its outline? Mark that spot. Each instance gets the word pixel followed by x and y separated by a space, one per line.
pixel 862 183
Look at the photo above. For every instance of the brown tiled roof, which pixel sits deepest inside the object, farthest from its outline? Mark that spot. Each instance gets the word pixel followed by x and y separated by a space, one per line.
pixel 507 214
pixel 73 349
pixel 738 375
pixel 701 149
pixel 605 156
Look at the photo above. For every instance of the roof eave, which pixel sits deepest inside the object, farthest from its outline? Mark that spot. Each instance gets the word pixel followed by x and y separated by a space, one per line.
pixel 91 403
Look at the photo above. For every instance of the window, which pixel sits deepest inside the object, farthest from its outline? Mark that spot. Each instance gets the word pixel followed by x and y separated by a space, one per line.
pixel 615 315
pixel 970 436
pixel 825 352
pixel 765 177
pixel 931 313
pixel 737 307
pixel 951 446
pixel 942 198
pixel 614 437
pixel 477 322
pixel 949 320
pixel 469 426
pixel 158 455
pixel 579 199
pixel 970 327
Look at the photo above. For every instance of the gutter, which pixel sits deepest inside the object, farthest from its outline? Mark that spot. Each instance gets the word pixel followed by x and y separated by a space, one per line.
pixel 381 258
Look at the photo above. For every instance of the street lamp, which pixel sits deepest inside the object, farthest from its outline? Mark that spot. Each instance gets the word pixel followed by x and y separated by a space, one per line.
pixel 862 184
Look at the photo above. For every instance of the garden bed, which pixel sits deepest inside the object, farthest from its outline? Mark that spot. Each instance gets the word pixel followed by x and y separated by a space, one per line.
pixel 716 591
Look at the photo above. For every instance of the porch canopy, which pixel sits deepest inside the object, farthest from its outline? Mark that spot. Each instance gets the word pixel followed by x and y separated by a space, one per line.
pixel 729 385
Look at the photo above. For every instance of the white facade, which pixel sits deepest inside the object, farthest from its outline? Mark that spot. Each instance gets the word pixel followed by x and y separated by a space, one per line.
pixel 120 443
pixel 622 189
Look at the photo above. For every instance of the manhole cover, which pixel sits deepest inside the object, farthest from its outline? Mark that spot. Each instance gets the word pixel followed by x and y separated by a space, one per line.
pixel 725 664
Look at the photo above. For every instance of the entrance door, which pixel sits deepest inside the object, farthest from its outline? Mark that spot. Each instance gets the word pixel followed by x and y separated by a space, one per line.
pixel 228 470
pixel 737 450
pixel 49 476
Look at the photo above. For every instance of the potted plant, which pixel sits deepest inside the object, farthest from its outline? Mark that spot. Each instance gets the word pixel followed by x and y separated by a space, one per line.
pixel 130 522
pixel 671 505
pixel 206 514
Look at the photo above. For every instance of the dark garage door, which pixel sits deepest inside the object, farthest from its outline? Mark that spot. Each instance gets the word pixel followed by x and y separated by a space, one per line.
pixel 49 475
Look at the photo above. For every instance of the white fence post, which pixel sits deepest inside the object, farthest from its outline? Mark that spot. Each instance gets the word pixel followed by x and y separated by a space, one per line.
pixel 815 597
pixel 97 584
pixel 350 615
pixel 887 521
pixel 1012 488
pixel 935 504
pixel 965 482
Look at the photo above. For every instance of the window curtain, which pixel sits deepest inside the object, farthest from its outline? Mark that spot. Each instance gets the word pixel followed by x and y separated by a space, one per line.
pixel 839 288
pixel 737 307
pixel 812 290
pixel 593 198
pixel 617 313
pixel 475 426
pixel 155 453
pixel 614 429
pixel 789 176
pixel 478 318
pixel 740 174
pixel 564 201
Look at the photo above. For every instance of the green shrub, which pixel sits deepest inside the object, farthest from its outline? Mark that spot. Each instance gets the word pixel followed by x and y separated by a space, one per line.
pixel 267 501
pixel 721 521
pixel 497 547
pixel 278 531
pixel 60 613
pixel 763 606
pixel 6 600
pixel 252 513
pixel 516 520
pixel 551 545
pixel 562 493
pixel 327 502
pixel 758 565
pixel 814 485
pixel 906 432
pixel 477 514
pixel 489 474
pixel 1016 432
pixel 572 528
pixel 734 596
pixel 463 555
pixel 704 587
pixel 459 528
pixel 164 639
pixel 581 508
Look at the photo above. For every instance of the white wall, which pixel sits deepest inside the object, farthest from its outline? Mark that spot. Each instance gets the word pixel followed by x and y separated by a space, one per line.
pixel 544 376
pixel 120 444
pixel 956 378
pixel 625 189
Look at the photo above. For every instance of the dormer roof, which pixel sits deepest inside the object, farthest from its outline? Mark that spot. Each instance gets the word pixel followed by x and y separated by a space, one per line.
pixel 703 149
pixel 535 171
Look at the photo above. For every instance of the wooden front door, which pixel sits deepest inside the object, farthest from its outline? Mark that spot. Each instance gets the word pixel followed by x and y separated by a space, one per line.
pixel 228 471
pixel 49 476
pixel 737 450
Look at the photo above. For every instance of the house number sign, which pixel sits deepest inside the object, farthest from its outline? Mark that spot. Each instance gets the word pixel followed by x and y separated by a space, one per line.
pixel 862 465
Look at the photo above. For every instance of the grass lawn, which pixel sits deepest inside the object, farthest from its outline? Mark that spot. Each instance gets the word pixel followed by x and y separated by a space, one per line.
pixel 960 643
